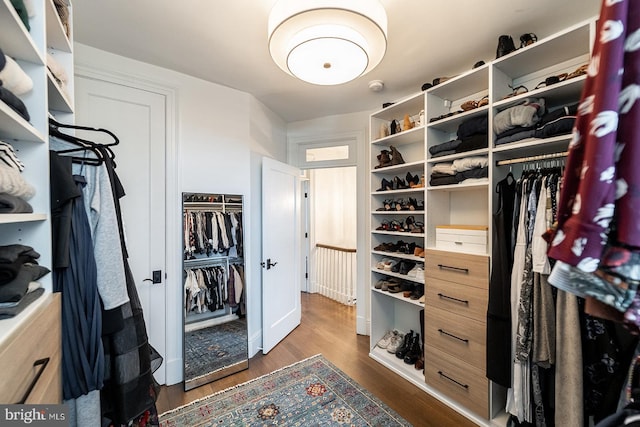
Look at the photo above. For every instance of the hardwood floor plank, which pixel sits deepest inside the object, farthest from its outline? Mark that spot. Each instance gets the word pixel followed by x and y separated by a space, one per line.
pixel 328 328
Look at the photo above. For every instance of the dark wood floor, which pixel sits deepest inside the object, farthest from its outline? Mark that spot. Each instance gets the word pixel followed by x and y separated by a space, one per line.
pixel 328 328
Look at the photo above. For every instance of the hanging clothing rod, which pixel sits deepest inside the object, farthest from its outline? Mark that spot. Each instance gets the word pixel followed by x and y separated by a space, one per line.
pixel 531 158
pixel 205 262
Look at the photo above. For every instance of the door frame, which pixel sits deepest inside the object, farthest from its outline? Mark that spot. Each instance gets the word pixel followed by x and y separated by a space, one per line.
pixel 171 371
pixel 358 152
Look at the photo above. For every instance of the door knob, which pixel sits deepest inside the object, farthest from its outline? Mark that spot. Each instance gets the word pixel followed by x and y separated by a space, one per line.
pixel 268 264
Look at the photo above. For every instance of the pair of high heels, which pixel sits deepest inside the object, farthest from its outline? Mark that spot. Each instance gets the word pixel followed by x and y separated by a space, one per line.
pixel 395 184
pixel 414 181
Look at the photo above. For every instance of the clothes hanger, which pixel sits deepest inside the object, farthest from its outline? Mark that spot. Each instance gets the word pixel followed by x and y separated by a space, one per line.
pixel 54 129
pixel 54 123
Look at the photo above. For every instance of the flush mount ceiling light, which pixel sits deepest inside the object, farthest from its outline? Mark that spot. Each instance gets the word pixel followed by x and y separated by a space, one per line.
pixel 327 42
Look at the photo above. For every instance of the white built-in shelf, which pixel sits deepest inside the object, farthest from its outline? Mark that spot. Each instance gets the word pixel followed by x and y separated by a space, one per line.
pixel 58 99
pixel 410 105
pixel 21 217
pixel 461 186
pixel 401 168
pixel 410 136
pixel 570 43
pixel 16 41
pixel 13 126
pixel 56 35
pixel 398 295
pixel 450 157
pixel 397 233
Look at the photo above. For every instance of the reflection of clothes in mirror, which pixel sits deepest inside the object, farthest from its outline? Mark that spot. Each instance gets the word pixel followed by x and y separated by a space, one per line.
pixel 209 232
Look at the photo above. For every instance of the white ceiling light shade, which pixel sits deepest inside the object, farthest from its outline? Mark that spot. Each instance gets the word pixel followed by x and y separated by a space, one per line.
pixel 327 42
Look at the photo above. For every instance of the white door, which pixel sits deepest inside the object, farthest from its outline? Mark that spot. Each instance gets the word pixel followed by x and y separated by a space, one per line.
pixel 281 229
pixel 137 117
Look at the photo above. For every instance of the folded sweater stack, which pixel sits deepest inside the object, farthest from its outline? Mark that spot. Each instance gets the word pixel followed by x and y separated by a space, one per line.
pixel 19 272
pixel 531 120
pixel 472 134
pixel 459 170
pixel 14 189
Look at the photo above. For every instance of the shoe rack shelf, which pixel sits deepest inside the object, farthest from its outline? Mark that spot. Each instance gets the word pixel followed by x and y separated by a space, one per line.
pixel 399 276
pixel 466 203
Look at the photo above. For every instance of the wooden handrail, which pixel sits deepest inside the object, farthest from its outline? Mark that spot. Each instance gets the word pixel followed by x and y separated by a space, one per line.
pixel 335 248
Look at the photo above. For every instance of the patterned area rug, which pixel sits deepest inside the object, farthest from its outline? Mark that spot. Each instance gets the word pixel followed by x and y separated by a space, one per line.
pixel 213 348
pixel 308 393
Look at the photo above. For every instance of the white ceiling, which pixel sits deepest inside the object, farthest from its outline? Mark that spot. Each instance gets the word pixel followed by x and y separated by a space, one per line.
pixel 225 42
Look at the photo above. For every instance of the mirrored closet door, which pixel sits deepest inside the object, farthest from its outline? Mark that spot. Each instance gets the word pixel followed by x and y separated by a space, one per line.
pixel 215 322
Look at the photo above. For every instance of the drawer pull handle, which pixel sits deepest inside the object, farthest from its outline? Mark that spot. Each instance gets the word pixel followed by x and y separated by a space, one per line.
pixel 448 267
pixel 453 299
pixel 452 380
pixel 43 364
pixel 453 336
pixel 458 243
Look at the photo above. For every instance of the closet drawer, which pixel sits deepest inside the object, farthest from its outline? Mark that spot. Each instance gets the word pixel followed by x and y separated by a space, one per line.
pixel 472 270
pixel 467 239
pixel 456 336
pixel 458 380
pixel 460 299
pixel 39 337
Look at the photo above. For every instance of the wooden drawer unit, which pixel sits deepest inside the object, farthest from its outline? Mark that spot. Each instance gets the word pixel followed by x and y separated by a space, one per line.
pixel 459 299
pixel 459 337
pixel 37 338
pixel 457 380
pixel 471 270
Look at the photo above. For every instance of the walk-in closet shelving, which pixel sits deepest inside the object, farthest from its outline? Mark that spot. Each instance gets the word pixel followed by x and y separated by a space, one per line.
pixel 29 139
pixel 394 310
pixel 452 276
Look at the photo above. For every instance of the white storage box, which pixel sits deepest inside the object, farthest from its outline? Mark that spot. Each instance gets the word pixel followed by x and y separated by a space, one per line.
pixel 462 238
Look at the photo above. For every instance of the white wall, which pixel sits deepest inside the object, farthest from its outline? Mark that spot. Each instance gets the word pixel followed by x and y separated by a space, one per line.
pixel 334 204
pixel 221 136
pixel 336 125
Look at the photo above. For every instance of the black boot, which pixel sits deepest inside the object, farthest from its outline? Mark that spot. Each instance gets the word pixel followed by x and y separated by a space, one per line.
pixel 406 345
pixel 414 352
pixel 505 46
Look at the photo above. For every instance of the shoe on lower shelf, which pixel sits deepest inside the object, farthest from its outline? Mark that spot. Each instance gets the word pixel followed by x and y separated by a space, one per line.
pixel 387 338
pixel 395 343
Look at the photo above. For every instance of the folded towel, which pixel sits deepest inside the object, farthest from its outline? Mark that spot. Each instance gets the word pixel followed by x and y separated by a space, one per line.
pixel 13 76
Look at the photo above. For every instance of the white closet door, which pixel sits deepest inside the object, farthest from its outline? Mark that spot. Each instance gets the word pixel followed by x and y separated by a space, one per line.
pixel 281 230
pixel 137 117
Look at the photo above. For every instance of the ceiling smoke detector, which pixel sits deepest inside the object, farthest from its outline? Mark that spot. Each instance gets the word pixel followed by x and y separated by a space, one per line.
pixel 376 85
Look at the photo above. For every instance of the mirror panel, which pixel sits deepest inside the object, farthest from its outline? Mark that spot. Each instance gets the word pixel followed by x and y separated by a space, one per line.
pixel 214 307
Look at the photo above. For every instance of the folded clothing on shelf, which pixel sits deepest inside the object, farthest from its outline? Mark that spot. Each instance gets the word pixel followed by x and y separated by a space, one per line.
pixel 13 77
